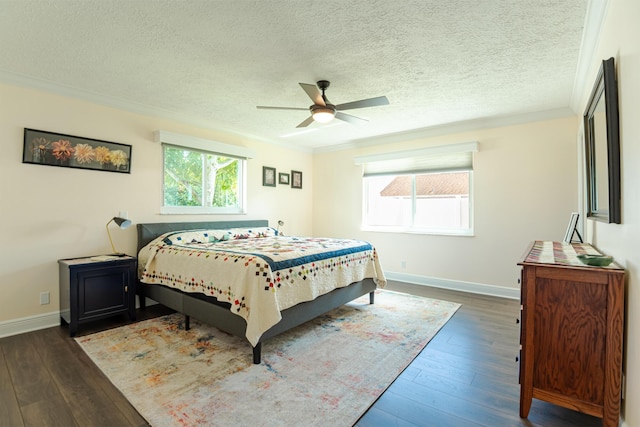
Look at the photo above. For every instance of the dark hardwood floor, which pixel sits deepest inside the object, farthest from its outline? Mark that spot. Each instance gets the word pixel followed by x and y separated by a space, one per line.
pixel 466 376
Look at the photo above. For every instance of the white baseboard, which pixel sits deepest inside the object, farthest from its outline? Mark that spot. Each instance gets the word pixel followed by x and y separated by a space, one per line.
pixel 47 320
pixel 28 324
pixel 40 321
pixel 475 288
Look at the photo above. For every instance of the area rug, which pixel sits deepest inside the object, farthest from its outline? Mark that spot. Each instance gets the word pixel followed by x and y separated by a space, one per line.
pixel 326 372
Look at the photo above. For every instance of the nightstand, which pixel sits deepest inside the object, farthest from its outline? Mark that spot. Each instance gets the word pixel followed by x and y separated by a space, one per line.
pixel 96 287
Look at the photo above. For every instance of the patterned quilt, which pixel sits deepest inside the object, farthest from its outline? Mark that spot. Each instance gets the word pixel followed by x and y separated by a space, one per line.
pixel 257 271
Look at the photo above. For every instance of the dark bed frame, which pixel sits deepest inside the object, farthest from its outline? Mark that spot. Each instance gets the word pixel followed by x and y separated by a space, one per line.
pixel 211 311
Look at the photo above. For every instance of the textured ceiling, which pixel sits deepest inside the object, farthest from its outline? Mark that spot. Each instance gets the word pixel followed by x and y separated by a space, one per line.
pixel 210 63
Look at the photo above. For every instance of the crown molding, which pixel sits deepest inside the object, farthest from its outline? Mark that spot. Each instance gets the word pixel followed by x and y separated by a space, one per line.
pixel 28 82
pixel 138 108
pixel 452 128
pixel 593 23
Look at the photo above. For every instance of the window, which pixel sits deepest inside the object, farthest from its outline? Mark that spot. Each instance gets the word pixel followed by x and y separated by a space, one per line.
pixel 202 176
pixel 422 191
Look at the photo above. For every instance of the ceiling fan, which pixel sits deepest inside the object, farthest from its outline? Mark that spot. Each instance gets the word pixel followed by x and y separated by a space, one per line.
pixel 322 111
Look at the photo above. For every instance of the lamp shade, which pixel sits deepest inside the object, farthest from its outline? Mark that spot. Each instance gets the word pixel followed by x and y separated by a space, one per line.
pixel 121 223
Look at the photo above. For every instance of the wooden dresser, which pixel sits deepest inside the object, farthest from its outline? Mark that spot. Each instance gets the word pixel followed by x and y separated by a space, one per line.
pixel 572 319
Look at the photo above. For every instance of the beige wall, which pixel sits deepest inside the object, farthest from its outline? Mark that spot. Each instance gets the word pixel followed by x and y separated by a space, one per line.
pixel 49 213
pixel 524 189
pixel 620 39
pixel 525 177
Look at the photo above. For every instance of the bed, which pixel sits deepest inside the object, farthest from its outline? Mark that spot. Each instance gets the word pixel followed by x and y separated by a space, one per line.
pixel 244 277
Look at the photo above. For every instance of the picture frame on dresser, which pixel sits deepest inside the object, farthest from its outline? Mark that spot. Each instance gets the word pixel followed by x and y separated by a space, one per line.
pixel 572 228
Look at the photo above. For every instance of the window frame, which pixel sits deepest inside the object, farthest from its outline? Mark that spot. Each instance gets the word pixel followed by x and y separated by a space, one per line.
pixel 415 161
pixel 193 144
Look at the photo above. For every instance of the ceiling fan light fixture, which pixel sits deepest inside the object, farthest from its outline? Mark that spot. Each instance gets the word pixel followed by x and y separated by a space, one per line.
pixel 322 111
pixel 323 114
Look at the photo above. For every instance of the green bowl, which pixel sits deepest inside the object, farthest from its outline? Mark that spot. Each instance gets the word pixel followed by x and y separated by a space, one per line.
pixel 596 260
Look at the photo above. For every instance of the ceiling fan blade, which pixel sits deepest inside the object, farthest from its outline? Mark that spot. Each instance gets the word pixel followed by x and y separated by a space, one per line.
pixel 306 123
pixel 351 119
pixel 313 93
pixel 262 107
pixel 371 102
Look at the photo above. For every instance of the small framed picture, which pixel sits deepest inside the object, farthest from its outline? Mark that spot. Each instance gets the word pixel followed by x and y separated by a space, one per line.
pixel 296 179
pixel 283 178
pixel 268 176
pixel 572 229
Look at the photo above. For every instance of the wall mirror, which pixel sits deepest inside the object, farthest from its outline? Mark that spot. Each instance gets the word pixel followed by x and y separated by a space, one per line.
pixel 602 147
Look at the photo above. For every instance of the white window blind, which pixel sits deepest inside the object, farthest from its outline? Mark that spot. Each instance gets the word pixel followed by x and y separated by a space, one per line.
pixel 445 158
pixel 203 144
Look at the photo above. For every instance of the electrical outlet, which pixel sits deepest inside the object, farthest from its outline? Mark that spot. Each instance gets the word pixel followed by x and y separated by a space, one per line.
pixel 44 298
pixel 403 264
pixel 124 214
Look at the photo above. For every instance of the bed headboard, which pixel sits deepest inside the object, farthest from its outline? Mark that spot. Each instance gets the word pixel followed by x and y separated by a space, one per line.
pixel 148 232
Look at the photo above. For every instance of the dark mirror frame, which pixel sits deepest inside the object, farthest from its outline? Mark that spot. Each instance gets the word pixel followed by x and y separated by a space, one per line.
pixel 605 86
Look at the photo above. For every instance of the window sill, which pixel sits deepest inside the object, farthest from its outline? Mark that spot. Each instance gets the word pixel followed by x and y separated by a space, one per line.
pixel 198 210
pixel 407 230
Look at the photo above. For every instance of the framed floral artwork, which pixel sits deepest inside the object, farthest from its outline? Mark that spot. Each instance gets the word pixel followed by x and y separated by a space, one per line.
pixel 58 149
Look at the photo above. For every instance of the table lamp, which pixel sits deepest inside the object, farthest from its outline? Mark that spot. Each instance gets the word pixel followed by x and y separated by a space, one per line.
pixel 122 223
